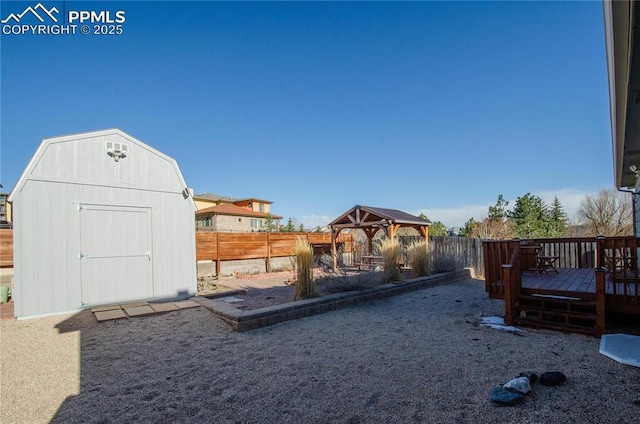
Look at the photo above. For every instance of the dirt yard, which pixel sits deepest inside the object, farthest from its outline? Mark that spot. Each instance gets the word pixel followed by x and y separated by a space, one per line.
pixel 414 358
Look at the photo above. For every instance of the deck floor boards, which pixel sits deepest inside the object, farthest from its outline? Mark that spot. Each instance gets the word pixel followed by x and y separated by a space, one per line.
pixel 567 279
pixel 576 280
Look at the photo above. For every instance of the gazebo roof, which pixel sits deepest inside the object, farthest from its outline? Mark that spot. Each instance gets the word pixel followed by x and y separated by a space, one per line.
pixel 371 220
pixel 368 216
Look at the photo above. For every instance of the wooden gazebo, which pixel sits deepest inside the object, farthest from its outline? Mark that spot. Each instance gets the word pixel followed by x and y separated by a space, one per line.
pixel 371 220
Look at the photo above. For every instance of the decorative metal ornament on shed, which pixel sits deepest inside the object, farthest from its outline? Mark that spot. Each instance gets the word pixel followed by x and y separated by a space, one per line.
pixel 116 150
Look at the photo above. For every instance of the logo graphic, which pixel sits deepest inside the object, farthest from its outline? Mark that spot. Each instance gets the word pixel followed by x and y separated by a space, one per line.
pixel 34 12
pixel 40 20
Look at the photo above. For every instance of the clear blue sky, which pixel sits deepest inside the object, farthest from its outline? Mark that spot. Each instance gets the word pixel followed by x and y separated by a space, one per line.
pixel 422 106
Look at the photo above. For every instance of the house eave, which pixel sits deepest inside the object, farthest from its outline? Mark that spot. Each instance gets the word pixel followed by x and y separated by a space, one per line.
pixel 624 89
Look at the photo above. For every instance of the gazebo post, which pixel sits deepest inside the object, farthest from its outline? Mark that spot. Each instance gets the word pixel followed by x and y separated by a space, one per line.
pixel 393 230
pixel 424 231
pixel 334 250
pixel 369 241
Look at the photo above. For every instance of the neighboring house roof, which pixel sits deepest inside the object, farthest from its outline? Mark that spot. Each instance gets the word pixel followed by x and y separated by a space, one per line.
pixel 213 197
pixel 252 199
pixel 233 210
pixel 365 214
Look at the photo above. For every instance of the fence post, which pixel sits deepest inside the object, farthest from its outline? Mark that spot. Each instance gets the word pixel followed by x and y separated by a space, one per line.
pixel 601 297
pixel 218 255
pixel 600 252
pixel 268 265
pixel 334 249
pixel 488 275
pixel 581 263
pixel 509 298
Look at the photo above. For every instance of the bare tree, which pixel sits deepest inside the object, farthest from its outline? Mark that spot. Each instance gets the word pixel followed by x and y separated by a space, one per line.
pixel 576 229
pixel 607 213
pixel 493 229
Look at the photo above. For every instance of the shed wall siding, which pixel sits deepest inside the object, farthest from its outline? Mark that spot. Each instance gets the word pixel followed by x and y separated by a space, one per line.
pixel 47 225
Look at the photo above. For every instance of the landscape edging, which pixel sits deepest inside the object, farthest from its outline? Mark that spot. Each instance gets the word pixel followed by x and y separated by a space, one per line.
pixel 241 320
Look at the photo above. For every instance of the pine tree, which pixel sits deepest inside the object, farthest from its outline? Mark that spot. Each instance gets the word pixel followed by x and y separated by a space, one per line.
pixel 437 229
pixel 269 223
pixel 468 227
pixel 289 227
pixel 531 217
pixel 499 210
pixel 558 220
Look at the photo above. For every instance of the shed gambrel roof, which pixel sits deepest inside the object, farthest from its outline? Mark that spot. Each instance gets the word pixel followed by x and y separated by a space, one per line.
pixel 360 216
pixel 53 147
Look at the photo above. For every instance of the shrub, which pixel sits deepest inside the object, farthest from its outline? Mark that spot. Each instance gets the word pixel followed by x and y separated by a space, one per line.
pixel 391 253
pixel 441 262
pixel 343 281
pixel 417 259
pixel 305 286
pixel 326 262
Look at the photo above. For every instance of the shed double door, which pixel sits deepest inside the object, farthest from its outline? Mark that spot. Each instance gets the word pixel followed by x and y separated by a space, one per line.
pixel 115 254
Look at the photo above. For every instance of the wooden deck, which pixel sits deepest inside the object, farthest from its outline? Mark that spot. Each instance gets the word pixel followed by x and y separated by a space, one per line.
pixel 595 277
pixel 621 296
pixel 567 280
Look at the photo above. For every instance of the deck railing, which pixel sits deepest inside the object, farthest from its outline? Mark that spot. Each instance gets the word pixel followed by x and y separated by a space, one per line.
pixel 619 257
pixel 512 283
pixel 615 261
pixel 496 253
pixel 571 252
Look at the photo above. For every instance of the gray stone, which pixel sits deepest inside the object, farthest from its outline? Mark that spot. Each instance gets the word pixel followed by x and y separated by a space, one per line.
pixel 504 397
pixel 532 376
pixel 519 384
pixel 230 299
pixel 552 378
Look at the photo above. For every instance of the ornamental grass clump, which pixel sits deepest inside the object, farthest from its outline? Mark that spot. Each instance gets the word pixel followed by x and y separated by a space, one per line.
pixel 305 286
pixel 442 262
pixel 391 253
pixel 417 259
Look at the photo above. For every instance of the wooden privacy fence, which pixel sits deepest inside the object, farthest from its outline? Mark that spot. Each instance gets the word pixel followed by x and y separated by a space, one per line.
pixel 6 248
pixel 466 252
pixel 235 246
pixel 225 246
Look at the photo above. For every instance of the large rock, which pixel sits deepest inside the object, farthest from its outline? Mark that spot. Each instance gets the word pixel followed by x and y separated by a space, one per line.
pixel 552 378
pixel 520 385
pixel 505 397
pixel 532 376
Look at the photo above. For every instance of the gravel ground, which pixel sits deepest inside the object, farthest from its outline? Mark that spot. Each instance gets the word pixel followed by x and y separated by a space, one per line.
pixel 420 357
pixel 264 290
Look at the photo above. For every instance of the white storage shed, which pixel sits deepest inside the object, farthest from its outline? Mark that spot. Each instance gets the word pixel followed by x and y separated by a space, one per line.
pixel 100 218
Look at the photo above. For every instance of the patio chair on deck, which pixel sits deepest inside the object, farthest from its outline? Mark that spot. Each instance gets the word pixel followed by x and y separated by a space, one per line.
pixel 621 263
pixel 529 256
pixel 533 259
pixel 547 264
